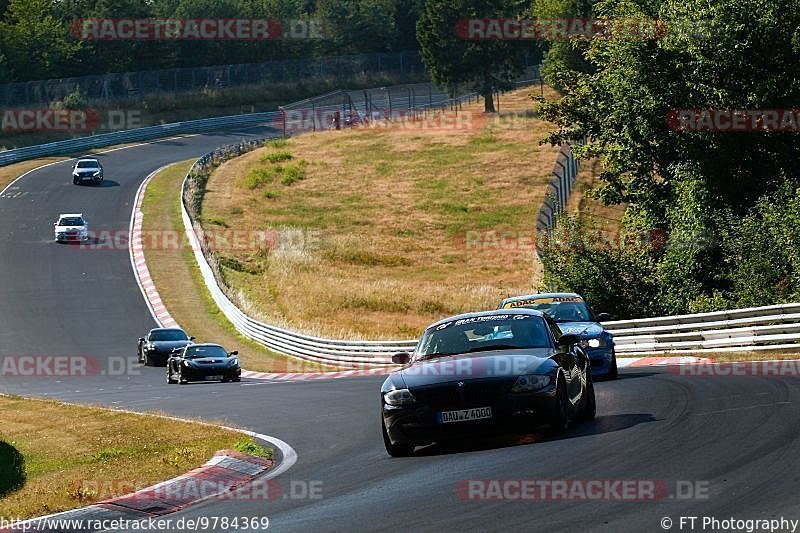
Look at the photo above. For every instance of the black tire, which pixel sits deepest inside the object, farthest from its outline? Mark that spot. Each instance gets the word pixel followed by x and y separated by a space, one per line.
pixel 395 450
pixel 614 372
pixel 75 181
pixel 169 376
pixel 589 404
pixel 559 419
pixel 148 361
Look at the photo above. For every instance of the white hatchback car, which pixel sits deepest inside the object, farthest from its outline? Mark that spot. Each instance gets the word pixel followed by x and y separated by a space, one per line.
pixel 71 227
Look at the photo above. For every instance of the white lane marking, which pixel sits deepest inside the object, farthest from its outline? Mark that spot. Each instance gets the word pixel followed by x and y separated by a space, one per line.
pixel 101 152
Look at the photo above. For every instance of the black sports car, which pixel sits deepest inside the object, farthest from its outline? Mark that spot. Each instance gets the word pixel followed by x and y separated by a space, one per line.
pixel 497 371
pixel 157 346
pixel 203 362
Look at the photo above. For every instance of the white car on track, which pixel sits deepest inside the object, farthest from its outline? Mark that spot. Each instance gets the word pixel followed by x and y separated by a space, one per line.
pixel 71 227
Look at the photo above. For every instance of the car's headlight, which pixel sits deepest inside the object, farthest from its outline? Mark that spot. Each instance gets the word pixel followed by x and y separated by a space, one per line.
pixel 399 397
pixel 531 382
pixel 97 173
pixel 188 363
pixel 598 342
pixel 234 361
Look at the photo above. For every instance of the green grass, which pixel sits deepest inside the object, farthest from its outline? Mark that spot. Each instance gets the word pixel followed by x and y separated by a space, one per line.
pixel 276 157
pixel 56 466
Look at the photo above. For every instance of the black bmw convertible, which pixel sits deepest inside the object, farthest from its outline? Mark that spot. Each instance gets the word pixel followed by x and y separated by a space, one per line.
pixel 498 371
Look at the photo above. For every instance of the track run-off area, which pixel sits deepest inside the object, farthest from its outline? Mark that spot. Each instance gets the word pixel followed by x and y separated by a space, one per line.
pixel 718 445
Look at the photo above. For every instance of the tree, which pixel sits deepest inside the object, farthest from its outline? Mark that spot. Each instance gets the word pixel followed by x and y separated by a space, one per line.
pixel 34 40
pixel 690 184
pixel 482 64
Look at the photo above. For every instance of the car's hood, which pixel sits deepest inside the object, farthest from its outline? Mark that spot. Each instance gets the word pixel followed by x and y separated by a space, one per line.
pixel 586 330
pixel 494 364
pixel 168 345
pixel 86 170
pixel 70 228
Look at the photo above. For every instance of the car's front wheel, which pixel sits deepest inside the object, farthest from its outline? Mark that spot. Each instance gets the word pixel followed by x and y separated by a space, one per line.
pixel 589 403
pixel 613 371
pixel 559 419
pixel 75 181
pixel 395 450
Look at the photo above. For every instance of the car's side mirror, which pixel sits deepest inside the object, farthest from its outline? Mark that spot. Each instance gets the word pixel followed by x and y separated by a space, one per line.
pixel 602 317
pixel 192 338
pixel 235 352
pixel 401 358
pixel 568 339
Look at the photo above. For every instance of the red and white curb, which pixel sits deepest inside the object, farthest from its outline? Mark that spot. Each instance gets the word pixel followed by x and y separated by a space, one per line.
pixel 229 475
pixel 313 376
pixel 624 362
pixel 139 263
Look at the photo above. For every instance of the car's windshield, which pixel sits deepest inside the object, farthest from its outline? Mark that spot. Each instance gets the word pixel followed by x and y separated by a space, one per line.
pixel 484 333
pixel 168 335
pixel 71 221
pixel 88 164
pixel 559 308
pixel 194 352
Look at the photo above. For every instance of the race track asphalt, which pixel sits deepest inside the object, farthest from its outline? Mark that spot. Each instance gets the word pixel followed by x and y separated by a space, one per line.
pixel 735 436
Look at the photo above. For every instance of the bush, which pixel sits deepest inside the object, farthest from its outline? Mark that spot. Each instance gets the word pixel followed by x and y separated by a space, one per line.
pixel 276 157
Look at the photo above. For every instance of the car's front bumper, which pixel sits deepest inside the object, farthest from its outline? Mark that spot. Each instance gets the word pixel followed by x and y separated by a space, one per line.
pixel 601 359
pixel 202 373
pixel 418 424
pixel 93 179
pixel 72 237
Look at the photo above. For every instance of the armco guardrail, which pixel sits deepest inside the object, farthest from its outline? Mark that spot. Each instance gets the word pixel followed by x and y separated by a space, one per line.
pixel 433 96
pixel 82 144
pixel 757 328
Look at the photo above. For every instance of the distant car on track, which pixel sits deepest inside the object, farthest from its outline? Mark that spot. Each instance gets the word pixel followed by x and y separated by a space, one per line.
pixel 495 371
pixel 572 315
pixel 71 227
pixel 155 348
pixel 203 362
pixel 87 170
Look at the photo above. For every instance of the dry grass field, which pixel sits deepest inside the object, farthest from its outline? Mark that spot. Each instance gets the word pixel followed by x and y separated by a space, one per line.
pixel 379 231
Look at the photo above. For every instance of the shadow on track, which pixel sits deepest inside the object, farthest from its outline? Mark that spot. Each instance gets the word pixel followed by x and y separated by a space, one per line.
pixel 601 424
pixel 12 469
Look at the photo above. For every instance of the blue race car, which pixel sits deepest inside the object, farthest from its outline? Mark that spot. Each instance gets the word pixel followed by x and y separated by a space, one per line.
pixel 574 317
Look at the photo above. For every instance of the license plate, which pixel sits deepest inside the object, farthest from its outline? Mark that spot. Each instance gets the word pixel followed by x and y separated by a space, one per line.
pixel 465 415
pixel 213 378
